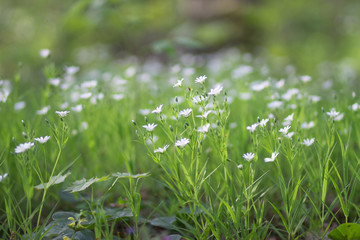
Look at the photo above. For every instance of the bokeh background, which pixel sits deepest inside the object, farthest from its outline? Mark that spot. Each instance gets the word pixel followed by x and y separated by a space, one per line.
pixel 94 32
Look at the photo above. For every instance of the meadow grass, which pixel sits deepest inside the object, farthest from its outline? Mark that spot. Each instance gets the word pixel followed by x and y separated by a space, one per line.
pixel 217 146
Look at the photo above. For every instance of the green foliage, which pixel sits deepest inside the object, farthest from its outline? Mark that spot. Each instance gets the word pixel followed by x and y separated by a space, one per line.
pixel 348 231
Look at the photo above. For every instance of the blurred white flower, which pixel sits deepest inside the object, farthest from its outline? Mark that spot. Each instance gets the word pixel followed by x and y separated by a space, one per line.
pixel 23 147
pixel 44 53
pixel 355 106
pixel 198 99
pixel 285 130
pixel 289 118
pixel 289 135
pixel 309 125
pixel 158 109
pixel 85 95
pixel 204 128
pixel 42 139
pixel 161 150
pixel 305 78
pixel 54 81
pixel 200 79
pixel 77 108
pixel 117 97
pixel 71 70
pixel 308 142
pixel 216 90
pixel 19 105
pixel 144 112
pixel 275 104
pixel 339 118
pixel 273 156
pixel 205 114
pixel 186 112
pixel 150 127
pixel 252 128
pixel 62 113
pixel 248 156
pixel 263 122
pixel 182 142
pixel 2 177
pixel 43 111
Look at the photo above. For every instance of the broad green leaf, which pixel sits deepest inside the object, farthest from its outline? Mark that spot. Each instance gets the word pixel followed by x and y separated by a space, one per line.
pixel 347 231
pixel 163 222
pixel 117 213
pixel 54 180
pixel 85 234
pixel 129 175
pixel 83 184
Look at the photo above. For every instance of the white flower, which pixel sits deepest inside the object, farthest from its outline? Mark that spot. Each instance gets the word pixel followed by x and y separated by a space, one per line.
pixel 161 150
pixel 77 108
pixel 289 118
pixel 182 142
pixel 186 112
pixel 23 147
pixel 43 111
pixel 71 70
pixel 252 128
pixel 240 166
pixel 333 113
pixel 117 97
pixel 150 127
pixel 314 98
pixel 248 156
pixel 62 113
pixel 289 135
pixel 158 109
pixel 308 142
pixel 44 53
pixel 259 86
pixel 144 112
pixel 198 99
pixel 200 79
pixel 309 125
pixel 275 104
pixel 2 177
pixel 19 105
pixel 55 81
pixel 85 95
pixel 263 122
pixel 204 129
pixel 205 114
pixel 216 90
pixel 179 83
pixel 355 106
pixel 305 78
pixel 273 156
pixel 285 130
pixel 89 84
pixel 339 118
pixel 42 139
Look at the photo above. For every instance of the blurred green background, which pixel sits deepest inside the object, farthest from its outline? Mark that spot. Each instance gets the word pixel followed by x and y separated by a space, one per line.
pixel 90 32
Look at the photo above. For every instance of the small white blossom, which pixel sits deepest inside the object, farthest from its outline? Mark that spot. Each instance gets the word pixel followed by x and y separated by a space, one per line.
pixel 71 70
pixel 182 142
pixel 305 78
pixel 150 127
pixel 339 118
pixel 179 83
pixel 216 90
pixel 23 147
pixel 198 99
pixel 62 113
pixel 309 125
pixel 205 114
pixel 200 79
pixel 289 118
pixel 19 105
pixel 263 122
pixel 77 108
pixel 85 95
pixel 355 106
pixel 275 104
pixel 285 130
pixel 240 166
pixel 44 53
pixel 186 112
pixel 308 142
pixel 248 156
pixel 42 139
pixel 289 135
pixel 117 97
pixel 54 81
pixel 204 129
pixel 273 156
pixel 252 128
pixel 43 111
pixel 158 109
pixel 2 177
pixel 161 150
pixel 333 113
pixel 144 112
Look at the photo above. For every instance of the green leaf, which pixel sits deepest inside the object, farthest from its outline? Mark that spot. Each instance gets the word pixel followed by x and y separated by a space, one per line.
pixel 129 175
pixel 83 184
pixel 115 213
pixel 54 180
pixel 163 222
pixel 347 231
pixel 85 234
